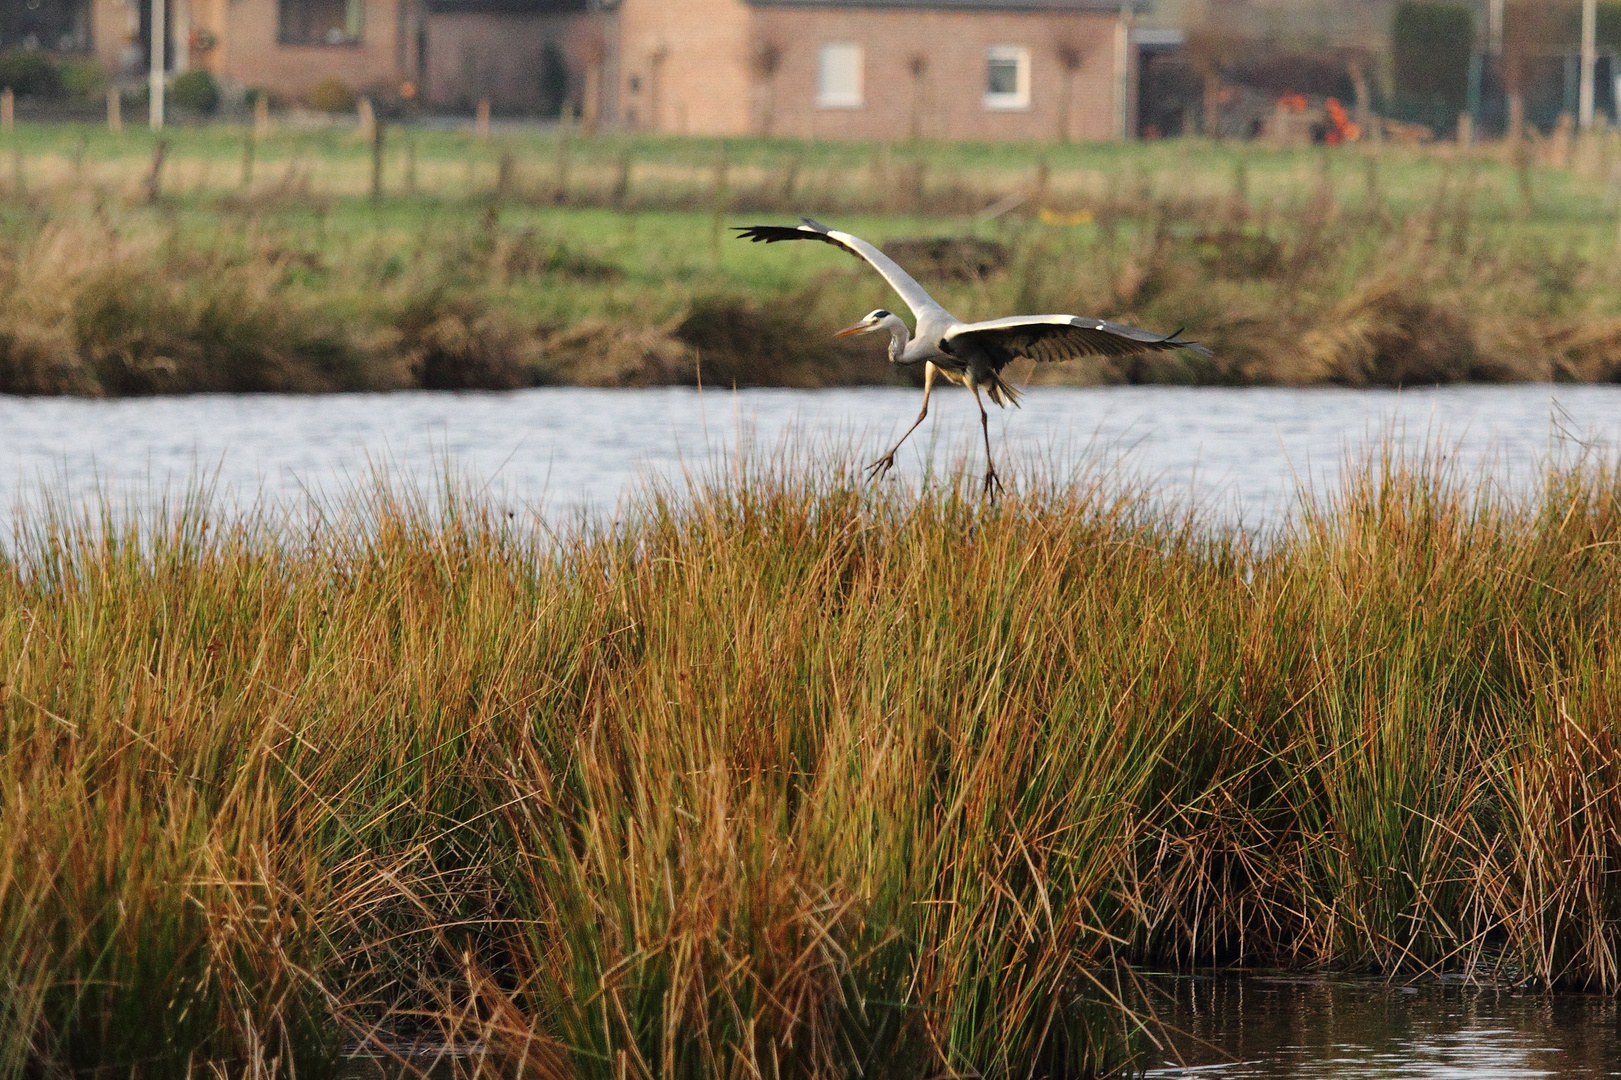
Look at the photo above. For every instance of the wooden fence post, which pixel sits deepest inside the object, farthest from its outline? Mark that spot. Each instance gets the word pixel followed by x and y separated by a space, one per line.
pixel 621 189
pixel 376 160
pixel 564 147
pixel 8 109
pixel 115 110
pixel 154 179
pixel 482 123
pixel 503 175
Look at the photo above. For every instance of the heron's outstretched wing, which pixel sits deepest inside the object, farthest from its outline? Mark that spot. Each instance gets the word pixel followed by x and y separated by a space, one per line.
pixel 1062 337
pixel 903 283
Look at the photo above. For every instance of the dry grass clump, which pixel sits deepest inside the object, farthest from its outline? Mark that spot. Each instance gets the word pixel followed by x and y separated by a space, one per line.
pixel 88 311
pixel 1317 293
pixel 788 775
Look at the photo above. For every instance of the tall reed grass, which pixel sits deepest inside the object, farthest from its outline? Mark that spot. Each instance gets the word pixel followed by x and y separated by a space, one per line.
pixel 787 775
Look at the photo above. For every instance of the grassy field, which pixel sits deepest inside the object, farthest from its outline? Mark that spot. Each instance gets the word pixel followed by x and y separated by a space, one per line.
pixel 265 264
pixel 788 775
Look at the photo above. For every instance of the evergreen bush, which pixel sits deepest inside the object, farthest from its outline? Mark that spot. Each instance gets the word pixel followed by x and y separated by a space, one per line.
pixel 195 91
pixel 332 95
pixel 30 73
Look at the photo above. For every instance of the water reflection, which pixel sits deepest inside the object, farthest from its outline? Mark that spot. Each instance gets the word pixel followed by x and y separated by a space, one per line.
pixel 1252 1027
pixel 1243 453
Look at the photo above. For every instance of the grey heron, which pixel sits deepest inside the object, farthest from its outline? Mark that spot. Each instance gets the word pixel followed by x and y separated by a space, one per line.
pixel 969 354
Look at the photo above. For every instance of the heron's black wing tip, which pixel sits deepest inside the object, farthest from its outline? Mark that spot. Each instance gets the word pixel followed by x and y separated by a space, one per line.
pixel 763 233
pixel 1174 341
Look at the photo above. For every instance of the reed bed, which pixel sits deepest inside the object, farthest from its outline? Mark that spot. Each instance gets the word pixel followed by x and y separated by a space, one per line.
pixel 788 775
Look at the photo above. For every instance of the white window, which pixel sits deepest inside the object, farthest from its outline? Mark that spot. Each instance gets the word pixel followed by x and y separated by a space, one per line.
pixel 1007 77
pixel 839 76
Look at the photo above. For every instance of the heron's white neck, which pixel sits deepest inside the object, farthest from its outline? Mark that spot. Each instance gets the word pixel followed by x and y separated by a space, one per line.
pixel 899 337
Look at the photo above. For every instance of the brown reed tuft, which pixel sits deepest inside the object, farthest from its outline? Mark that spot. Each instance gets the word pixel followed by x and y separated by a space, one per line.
pixel 784 773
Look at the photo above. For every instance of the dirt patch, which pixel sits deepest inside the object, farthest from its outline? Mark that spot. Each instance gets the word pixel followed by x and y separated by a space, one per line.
pixel 950 258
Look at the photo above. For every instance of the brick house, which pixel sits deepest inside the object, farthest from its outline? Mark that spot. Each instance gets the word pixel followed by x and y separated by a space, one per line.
pixel 887 69
pixel 880 69
pixel 526 56
pixel 286 46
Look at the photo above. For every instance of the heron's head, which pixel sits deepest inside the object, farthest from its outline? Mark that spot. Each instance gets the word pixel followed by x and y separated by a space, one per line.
pixel 875 320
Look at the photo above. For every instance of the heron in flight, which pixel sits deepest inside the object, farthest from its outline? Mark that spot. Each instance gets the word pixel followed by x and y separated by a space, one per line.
pixel 969 354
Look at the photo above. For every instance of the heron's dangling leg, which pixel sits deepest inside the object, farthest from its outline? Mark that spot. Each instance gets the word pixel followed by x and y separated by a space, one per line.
pixel 993 483
pixel 887 462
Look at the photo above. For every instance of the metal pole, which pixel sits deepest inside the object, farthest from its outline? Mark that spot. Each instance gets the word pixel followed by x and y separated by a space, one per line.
pixel 160 34
pixel 1584 110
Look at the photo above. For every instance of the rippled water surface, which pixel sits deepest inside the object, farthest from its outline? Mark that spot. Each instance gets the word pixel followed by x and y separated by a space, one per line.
pixel 1261 1028
pixel 1244 452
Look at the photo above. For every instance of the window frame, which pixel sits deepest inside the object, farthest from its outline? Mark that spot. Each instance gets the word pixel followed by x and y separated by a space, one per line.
pixel 1019 99
pixel 354 12
pixel 856 99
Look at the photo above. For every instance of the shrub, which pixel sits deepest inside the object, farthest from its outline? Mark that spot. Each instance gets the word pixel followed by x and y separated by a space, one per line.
pixel 29 73
pixel 332 95
pixel 82 79
pixel 196 91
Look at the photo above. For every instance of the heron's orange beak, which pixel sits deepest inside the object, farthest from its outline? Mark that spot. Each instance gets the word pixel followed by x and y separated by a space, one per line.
pixel 849 330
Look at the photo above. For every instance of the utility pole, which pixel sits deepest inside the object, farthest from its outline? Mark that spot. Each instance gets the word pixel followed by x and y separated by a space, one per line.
pixel 160 34
pixel 1584 109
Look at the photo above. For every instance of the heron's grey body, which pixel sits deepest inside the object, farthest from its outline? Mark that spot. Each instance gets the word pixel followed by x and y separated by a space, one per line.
pixel 970 354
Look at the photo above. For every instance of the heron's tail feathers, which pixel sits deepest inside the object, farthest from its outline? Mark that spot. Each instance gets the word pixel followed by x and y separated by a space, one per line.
pixel 1001 391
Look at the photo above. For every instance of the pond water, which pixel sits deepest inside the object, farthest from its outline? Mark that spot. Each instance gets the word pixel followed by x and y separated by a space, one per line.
pixel 1256 1027
pixel 1288 1027
pixel 1245 454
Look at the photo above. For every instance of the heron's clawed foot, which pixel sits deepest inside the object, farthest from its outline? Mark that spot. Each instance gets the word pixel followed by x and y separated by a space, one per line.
pixel 993 483
pixel 877 469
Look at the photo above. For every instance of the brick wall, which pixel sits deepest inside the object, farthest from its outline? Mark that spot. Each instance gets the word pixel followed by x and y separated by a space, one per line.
pixel 112 25
pixel 684 66
pixel 249 53
pixel 500 56
pixel 947 100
